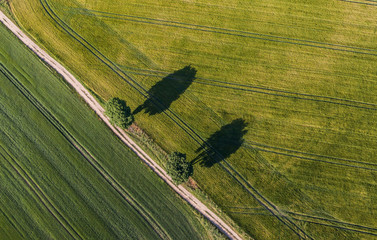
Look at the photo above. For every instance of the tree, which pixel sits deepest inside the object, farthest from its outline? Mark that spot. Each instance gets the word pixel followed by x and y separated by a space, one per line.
pixel 119 113
pixel 178 168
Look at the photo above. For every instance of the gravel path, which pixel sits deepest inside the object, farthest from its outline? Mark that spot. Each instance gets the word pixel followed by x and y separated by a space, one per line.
pixel 186 195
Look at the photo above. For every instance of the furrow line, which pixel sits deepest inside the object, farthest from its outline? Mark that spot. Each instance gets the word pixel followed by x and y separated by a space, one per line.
pixel 41 196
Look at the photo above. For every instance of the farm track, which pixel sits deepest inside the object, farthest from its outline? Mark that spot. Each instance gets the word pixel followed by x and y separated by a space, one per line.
pixel 238 33
pixel 334 223
pixel 310 156
pixel 269 206
pixel 276 92
pixel 311 219
pixel 171 115
pixel 88 156
pixel 367 2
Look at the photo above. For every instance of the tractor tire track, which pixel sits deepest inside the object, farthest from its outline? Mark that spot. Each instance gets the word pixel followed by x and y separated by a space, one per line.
pixel 237 33
pixel 269 206
pixel 12 221
pixel 276 92
pixel 370 3
pixel 89 157
pixel 335 226
pixel 335 223
pixel 312 219
pixel 309 156
pixel 41 196
pixel 251 143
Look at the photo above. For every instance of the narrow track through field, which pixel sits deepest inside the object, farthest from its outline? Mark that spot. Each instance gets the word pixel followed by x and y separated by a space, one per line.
pixel 273 92
pixel 234 32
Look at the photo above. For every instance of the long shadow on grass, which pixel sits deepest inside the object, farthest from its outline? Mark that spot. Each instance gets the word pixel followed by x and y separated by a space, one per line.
pixel 221 144
pixel 166 91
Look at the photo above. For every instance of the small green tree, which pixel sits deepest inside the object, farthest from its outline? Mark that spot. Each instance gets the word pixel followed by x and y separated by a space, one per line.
pixel 119 113
pixel 178 168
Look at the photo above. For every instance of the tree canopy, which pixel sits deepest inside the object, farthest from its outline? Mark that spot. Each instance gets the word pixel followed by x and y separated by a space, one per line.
pixel 119 113
pixel 178 168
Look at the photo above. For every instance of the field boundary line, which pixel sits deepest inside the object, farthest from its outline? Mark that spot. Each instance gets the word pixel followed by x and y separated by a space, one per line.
pixel 90 100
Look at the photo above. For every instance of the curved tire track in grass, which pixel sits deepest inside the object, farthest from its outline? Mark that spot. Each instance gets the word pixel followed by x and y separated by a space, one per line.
pixel 238 33
pixel 186 195
pixel 269 206
pixel 89 157
pixel 294 154
pixel 312 219
pixel 334 223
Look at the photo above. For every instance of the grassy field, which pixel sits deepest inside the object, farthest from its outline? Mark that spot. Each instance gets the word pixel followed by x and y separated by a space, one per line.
pixel 284 92
pixel 64 175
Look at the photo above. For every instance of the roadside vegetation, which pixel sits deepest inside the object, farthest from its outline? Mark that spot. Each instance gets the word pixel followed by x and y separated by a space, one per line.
pixel 277 111
pixel 178 167
pixel 64 175
pixel 119 113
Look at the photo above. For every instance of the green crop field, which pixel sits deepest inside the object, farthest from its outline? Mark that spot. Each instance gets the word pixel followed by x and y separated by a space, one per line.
pixel 279 116
pixel 64 175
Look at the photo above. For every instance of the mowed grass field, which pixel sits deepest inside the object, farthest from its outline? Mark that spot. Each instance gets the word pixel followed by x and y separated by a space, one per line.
pixel 64 175
pixel 291 85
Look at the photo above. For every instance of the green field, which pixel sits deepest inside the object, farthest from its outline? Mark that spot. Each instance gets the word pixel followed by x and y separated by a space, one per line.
pixel 285 93
pixel 64 175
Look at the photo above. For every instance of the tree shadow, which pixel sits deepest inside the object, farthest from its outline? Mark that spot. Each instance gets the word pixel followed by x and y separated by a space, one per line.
pixel 166 91
pixel 221 144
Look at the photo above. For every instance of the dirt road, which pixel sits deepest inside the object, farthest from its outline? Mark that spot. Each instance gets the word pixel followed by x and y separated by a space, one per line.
pixel 186 195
